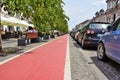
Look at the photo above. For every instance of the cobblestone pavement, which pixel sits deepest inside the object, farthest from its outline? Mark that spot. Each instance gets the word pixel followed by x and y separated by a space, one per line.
pixel 86 66
pixel 80 69
pixel 111 69
pixel 9 42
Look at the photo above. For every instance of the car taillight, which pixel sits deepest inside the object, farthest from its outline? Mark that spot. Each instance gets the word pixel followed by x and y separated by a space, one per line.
pixel 90 32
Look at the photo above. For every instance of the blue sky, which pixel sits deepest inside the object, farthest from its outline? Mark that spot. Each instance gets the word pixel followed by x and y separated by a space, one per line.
pixel 81 10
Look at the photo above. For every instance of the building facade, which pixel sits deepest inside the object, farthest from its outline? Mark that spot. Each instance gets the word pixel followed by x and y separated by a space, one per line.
pixel 81 25
pixel 111 14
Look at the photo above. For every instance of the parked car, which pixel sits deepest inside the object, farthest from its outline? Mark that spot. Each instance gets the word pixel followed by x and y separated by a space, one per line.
pixel 90 34
pixel 74 34
pixel 109 43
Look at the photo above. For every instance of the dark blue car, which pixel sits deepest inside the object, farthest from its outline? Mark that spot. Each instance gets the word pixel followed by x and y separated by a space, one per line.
pixel 109 44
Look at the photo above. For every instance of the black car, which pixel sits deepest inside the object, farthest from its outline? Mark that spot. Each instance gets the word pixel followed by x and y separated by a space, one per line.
pixel 90 34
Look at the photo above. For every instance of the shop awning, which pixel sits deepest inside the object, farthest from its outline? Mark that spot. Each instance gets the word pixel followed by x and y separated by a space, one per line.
pixel 11 21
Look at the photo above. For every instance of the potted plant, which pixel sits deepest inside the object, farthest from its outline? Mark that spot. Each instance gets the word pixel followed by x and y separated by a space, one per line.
pixel 46 36
pixel 40 35
pixel 52 35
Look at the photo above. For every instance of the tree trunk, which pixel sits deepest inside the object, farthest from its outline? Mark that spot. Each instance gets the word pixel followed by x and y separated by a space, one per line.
pixel 0 42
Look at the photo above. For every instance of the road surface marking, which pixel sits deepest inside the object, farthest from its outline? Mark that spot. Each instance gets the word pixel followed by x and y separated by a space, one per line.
pixel 67 71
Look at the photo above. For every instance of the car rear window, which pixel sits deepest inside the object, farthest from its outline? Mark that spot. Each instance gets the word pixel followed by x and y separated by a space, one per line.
pixel 98 26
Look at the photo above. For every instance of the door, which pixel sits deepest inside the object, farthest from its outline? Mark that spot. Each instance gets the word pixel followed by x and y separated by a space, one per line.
pixel 114 45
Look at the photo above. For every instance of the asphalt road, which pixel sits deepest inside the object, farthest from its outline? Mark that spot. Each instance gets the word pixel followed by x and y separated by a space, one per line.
pixel 86 66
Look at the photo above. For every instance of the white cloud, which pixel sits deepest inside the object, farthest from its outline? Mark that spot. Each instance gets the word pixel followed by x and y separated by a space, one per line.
pixel 99 3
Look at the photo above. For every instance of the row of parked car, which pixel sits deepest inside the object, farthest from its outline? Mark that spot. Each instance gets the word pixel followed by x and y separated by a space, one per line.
pixel 104 36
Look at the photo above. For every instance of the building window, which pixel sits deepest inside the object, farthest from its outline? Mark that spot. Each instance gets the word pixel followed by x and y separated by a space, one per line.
pixel 114 17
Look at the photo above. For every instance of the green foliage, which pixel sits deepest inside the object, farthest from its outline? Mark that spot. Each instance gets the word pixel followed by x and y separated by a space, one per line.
pixel 47 33
pixel 45 14
pixel 41 34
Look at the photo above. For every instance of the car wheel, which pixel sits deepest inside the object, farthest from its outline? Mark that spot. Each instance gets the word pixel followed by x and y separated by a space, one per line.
pixel 83 44
pixel 77 41
pixel 101 52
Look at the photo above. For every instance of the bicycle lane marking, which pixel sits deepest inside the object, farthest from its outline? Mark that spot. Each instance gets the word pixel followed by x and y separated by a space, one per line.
pixel 25 52
pixel 43 63
pixel 67 71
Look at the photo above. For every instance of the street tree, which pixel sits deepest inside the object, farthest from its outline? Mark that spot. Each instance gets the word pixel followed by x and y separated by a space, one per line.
pixel 44 13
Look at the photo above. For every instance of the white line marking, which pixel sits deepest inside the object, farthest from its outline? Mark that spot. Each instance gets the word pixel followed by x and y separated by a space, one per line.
pixel 67 71
pixel 27 51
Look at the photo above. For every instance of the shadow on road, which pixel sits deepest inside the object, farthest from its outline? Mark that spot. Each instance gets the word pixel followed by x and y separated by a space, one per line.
pixel 110 68
pixel 87 48
pixel 91 48
pixel 76 45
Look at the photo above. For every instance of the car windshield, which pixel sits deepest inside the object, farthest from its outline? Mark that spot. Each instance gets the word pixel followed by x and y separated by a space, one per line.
pixel 98 26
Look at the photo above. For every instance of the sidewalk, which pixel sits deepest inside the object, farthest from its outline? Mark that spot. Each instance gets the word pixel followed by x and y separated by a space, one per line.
pixel 12 43
pixel 46 62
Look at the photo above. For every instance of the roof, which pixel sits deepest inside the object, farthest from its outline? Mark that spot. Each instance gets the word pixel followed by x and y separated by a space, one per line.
pixel 100 22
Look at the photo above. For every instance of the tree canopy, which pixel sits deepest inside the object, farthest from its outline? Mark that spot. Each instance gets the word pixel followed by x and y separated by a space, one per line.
pixel 45 14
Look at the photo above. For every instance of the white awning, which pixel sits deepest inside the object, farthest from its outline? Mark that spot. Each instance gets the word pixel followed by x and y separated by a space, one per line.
pixel 15 20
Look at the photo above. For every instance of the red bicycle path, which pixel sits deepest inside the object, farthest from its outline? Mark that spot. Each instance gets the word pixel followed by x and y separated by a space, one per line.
pixel 46 62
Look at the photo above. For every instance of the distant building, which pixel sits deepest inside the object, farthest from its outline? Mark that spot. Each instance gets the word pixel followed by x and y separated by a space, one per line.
pixel 99 16
pixel 81 25
pixel 111 14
